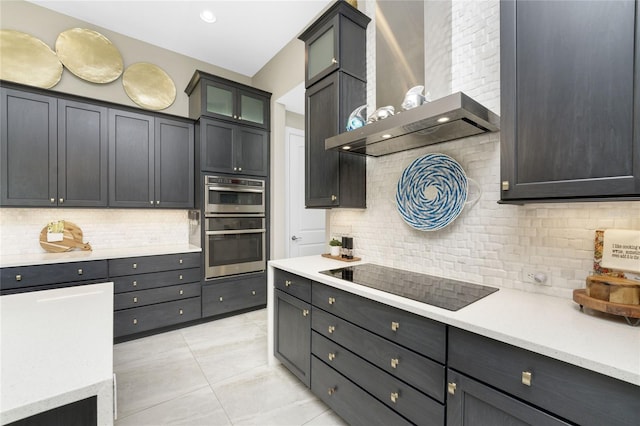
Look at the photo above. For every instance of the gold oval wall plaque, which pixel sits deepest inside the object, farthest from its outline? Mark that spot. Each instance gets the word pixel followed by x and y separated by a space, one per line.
pixel 149 86
pixel 28 60
pixel 89 55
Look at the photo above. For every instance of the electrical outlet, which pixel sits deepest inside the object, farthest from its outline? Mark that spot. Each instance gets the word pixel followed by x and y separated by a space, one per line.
pixel 532 276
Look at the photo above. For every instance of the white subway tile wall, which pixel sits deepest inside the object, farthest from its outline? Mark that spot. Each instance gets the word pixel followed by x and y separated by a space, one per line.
pixel 102 228
pixel 488 243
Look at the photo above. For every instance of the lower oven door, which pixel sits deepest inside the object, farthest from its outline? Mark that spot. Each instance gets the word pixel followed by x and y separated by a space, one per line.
pixel 234 252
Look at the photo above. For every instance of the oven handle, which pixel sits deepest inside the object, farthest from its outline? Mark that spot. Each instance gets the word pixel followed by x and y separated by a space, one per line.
pixel 230 189
pixel 240 231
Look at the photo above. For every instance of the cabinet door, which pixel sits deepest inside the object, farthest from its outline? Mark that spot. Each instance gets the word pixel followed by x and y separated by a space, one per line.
pixel 472 403
pixel 174 168
pixel 322 49
pixel 82 154
pixel 322 167
pixel 570 113
pixel 333 179
pixel 251 151
pixel 216 146
pixel 253 109
pixel 219 99
pixel 292 345
pixel 131 161
pixel 29 149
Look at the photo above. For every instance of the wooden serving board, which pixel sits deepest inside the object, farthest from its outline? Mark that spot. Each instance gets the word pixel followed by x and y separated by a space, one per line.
pixel 72 239
pixel 344 259
pixel 627 311
pixel 613 289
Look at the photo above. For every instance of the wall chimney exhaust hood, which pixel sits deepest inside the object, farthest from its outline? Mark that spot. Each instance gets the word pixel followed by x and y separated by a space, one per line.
pixel 453 117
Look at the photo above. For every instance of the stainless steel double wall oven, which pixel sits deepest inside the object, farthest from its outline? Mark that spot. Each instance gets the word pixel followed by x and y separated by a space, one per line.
pixel 235 231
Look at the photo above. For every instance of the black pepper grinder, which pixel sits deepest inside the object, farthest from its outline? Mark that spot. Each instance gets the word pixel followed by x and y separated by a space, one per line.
pixel 347 247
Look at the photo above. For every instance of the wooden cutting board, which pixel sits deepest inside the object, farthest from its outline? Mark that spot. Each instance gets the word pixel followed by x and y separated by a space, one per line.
pixel 72 239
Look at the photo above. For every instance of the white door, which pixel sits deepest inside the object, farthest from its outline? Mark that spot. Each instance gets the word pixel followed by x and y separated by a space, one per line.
pixel 305 227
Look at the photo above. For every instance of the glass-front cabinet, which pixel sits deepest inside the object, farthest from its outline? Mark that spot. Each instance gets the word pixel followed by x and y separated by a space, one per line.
pixel 216 97
pixel 335 42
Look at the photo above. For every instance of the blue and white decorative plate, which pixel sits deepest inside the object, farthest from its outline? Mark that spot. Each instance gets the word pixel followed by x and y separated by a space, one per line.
pixel 432 192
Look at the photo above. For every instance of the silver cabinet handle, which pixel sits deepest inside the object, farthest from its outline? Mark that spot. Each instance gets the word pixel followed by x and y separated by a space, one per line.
pixel 18 277
pixel 526 378
pixel 331 329
pixel 394 397
pixel 61 200
pixel 53 200
pixel 451 388
pixel 332 300
pixel 395 362
pixel 80 272
pixel 395 325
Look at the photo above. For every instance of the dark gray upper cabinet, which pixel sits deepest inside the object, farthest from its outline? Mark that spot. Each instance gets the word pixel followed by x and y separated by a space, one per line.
pixel 150 161
pixel 335 64
pixel 333 179
pixel 54 151
pixel 335 41
pixel 569 100
pixel 230 148
pixel 217 97
pixel 82 154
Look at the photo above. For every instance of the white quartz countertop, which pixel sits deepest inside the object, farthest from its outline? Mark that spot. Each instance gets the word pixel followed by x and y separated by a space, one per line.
pixel 96 254
pixel 551 326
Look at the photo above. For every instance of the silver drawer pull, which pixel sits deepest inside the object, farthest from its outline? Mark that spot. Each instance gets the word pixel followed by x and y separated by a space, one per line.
pixel 135 266
pixel 395 325
pixel 135 300
pixel 332 356
pixel 305 312
pixel 180 312
pixel 395 362
pixel 451 388
pixel 181 292
pixel 253 292
pixel 180 277
pixel 135 283
pixel 331 391
pixel 394 397
pixel 18 277
pixel 332 300
pixel 221 298
pixel 180 261
pixel 287 283
pixel 79 271
pixel 332 329
pixel 135 321
pixel 526 378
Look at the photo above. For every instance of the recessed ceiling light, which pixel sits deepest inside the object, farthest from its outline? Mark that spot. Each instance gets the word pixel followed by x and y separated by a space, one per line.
pixel 443 119
pixel 208 16
pixel 386 136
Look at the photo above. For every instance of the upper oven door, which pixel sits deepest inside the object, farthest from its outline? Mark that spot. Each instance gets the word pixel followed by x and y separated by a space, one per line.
pixel 228 195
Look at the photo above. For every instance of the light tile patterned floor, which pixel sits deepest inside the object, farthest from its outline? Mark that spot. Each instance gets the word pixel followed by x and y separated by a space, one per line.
pixel 211 374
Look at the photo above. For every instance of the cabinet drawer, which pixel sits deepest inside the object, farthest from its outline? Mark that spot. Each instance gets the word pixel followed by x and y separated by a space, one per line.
pixel 31 276
pixel 350 402
pixel 420 334
pixel 293 284
pixel 130 321
pixel 581 396
pixel 133 299
pixel 420 372
pixel 155 280
pixel 142 265
pixel 397 395
pixel 229 296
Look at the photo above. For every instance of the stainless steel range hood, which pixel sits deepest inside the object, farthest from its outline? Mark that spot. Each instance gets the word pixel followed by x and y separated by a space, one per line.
pixel 453 117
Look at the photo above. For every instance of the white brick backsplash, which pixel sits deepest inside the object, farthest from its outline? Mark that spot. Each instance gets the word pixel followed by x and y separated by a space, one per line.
pixel 103 228
pixel 489 243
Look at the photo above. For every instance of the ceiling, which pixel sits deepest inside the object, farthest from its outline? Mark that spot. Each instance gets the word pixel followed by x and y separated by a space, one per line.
pixel 245 36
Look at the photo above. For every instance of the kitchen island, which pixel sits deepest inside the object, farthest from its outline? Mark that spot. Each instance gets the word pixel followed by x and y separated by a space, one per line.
pixel 525 332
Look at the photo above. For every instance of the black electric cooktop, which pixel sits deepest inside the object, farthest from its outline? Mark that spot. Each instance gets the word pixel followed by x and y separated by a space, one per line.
pixel 441 292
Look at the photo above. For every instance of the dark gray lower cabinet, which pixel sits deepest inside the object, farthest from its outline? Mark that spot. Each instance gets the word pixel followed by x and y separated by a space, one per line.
pixel 580 396
pixel 41 277
pixel 472 403
pixel 292 345
pixel 233 294
pixel 152 292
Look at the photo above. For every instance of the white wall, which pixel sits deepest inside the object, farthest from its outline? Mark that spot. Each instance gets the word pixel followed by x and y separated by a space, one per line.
pixel 488 243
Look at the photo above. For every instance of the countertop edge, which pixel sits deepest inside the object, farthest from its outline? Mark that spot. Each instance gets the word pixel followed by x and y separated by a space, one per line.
pixel 44 258
pixel 523 323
